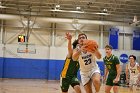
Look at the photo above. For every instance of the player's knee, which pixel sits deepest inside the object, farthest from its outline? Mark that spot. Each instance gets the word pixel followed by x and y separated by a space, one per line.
pixel 96 80
pixel 115 87
pixel 89 91
pixel 107 91
pixel 77 89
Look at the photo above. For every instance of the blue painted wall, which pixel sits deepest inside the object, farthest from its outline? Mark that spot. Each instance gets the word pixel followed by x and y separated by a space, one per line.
pixel 101 66
pixel 33 68
pixel 1 67
pixel 25 68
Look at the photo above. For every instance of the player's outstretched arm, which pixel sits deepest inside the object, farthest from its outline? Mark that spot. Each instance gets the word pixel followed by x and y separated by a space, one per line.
pixel 76 54
pixel 105 74
pixel 118 68
pixel 70 50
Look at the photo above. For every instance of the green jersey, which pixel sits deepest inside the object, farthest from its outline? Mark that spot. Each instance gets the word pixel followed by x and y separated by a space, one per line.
pixel 111 63
pixel 70 68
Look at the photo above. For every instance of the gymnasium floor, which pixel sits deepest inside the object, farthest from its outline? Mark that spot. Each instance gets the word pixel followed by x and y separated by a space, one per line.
pixel 40 86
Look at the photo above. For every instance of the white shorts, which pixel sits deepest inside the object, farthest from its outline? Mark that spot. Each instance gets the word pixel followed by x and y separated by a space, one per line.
pixel 133 81
pixel 86 76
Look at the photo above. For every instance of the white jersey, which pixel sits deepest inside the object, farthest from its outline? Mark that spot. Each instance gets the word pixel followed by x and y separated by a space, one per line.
pixel 133 71
pixel 87 62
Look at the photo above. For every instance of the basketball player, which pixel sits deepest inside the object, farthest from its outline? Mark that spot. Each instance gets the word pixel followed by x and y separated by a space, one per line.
pixel 112 70
pixel 89 70
pixel 70 69
pixel 132 71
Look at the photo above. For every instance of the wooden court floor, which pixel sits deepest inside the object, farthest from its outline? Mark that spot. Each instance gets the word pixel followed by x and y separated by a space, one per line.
pixel 41 86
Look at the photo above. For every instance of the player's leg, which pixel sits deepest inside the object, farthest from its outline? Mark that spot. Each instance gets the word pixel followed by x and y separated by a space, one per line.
pixel 88 87
pixel 109 84
pixel 76 85
pixel 107 88
pixel 131 84
pixel 138 83
pixel 77 88
pixel 135 84
pixel 96 81
pixel 116 89
pixel 86 81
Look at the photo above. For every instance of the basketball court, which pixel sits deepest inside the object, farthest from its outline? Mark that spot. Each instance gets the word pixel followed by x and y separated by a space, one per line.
pixel 33 46
pixel 41 86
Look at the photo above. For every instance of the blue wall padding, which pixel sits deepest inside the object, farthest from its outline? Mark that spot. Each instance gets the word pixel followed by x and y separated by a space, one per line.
pixel 113 37
pixel 55 68
pixel 52 70
pixel 101 66
pixel 136 40
pixel 1 67
pixel 34 68
pixel 59 67
pixel 25 68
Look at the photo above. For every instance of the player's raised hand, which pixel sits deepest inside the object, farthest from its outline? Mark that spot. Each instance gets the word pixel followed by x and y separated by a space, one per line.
pixel 68 36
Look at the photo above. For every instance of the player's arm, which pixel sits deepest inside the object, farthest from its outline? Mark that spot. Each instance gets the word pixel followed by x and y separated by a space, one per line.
pixel 105 73
pixel 138 67
pixel 118 68
pixel 126 72
pixel 70 50
pixel 76 54
pixel 97 53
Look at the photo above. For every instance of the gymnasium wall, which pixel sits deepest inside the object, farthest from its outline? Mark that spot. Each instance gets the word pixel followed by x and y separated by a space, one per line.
pixel 47 63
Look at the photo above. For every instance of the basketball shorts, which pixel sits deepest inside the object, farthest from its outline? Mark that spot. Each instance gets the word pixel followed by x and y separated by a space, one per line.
pixel 132 81
pixel 66 82
pixel 110 79
pixel 87 75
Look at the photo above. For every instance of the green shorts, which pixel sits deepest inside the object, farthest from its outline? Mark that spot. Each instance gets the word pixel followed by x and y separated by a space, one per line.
pixel 109 81
pixel 66 82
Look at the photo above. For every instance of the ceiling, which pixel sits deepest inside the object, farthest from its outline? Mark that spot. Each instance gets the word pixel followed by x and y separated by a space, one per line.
pixel 51 17
pixel 100 10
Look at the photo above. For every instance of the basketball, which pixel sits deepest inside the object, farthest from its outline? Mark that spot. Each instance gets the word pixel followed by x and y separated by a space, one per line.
pixel 90 45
